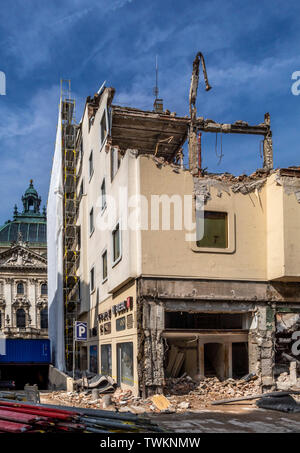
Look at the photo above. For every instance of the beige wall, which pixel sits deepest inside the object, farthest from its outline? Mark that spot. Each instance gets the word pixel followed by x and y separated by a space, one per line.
pixel 263 231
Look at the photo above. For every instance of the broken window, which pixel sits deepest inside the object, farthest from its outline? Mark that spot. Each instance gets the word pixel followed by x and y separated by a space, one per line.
pixel 215 231
pixel 116 244
pixel 103 128
pixel 106 367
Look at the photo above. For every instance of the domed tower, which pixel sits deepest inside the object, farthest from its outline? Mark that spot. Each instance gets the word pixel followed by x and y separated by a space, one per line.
pixel 30 224
pixel 31 200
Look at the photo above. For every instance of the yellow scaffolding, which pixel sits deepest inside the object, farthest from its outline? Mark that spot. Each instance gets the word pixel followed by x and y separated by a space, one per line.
pixel 71 255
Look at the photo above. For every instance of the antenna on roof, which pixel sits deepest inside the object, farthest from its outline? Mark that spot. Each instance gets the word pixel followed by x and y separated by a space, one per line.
pixel 158 103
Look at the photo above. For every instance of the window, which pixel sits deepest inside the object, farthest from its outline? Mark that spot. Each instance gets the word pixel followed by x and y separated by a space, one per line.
pixel 214 230
pixel 0 320
pixel 92 279
pixel 121 323
pixel 91 220
pixel 21 318
pixel 20 288
pixel 44 318
pixel 125 363
pixel 104 265
pixel 116 243
pixel 103 128
pixel 93 359
pixel 103 195
pixel 81 190
pixel 114 161
pixel 106 368
pixel 91 165
pixel 44 289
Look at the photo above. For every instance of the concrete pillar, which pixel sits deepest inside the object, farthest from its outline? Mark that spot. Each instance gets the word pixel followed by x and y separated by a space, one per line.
pixel 201 360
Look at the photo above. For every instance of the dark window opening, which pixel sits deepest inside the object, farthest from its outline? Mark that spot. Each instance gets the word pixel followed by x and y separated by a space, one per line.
pixel 217 321
pixel 20 288
pixel 44 289
pixel 21 318
pixel 44 318
pixel 240 361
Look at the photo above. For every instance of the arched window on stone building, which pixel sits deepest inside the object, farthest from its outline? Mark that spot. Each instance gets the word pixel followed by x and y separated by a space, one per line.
pixel 44 318
pixel 44 289
pixel 21 318
pixel 20 288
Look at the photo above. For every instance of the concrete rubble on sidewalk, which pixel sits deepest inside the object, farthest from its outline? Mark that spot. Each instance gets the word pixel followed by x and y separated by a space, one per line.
pixel 181 394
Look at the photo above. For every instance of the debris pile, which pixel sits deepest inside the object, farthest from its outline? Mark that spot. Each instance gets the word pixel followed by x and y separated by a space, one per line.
pixel 181 394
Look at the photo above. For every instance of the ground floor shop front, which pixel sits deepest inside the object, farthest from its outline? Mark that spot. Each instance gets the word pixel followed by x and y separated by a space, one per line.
pixel 155 328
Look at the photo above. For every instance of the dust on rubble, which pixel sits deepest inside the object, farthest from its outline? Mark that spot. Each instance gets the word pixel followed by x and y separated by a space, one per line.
pixel 180 395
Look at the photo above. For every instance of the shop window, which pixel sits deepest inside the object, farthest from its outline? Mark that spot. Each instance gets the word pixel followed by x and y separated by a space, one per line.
pixel 94 359
pixel 125 363
pixel 21 318
pixel 44 318
pixel 215 229
pixel 106 368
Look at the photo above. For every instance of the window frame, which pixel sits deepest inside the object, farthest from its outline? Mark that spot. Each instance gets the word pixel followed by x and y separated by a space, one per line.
pixel 91 165
pixel 103 139
pixel 22 293
pixel 103 197
pixel 104 279
pixel 91 224
pixel 92 280
pixel 44 293
pixel 231 229
pixel 118 259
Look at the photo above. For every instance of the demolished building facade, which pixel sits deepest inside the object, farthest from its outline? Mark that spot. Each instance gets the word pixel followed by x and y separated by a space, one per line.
pixel 158 299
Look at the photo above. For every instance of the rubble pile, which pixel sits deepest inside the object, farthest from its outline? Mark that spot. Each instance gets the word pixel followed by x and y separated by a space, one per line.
pixel 181 394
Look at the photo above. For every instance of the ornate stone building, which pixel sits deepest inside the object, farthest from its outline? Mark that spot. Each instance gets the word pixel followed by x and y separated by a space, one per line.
pixel 23 271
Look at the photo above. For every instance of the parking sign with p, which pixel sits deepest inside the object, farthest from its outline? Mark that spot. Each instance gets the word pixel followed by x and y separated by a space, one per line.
pixel 80 331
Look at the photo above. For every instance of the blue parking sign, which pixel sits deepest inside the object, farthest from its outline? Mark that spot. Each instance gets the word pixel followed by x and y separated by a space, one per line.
pixel 80 331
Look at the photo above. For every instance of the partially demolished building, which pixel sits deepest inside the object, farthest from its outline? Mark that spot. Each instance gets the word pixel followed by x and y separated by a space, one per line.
pixel 168 287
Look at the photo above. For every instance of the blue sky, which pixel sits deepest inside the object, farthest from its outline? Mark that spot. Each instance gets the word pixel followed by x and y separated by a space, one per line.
pixel 251 50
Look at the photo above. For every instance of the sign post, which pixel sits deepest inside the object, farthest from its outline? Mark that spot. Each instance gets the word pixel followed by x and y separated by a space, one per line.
pixel 79 334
